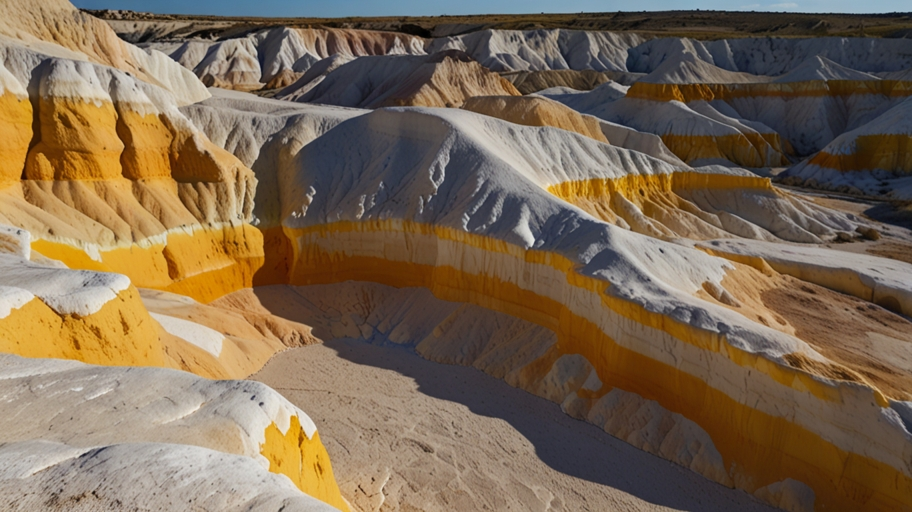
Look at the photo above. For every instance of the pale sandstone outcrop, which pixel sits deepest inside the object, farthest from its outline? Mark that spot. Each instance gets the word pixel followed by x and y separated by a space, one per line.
pixel 626 304
pixel 774 56
pixel 528 82
pixel 688 69
pixel 57 28
pixel 533 111
pixel 42 474
pixel 699 133
pixel 878 280
pixel 873 159
pixel 514 50
pixel 444 79
pixel 267 58
pixel 216 434
pixel 796 118
pixel 115 178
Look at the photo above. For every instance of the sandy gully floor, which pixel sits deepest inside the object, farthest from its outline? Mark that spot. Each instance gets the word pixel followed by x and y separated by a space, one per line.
pixel 409 434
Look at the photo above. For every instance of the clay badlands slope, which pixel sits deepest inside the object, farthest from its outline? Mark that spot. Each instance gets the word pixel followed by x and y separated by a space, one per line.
pixel 102 173
pixel 570 244
pixel 748 102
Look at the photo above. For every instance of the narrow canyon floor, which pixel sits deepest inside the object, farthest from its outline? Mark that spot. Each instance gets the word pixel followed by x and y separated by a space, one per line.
pixel 409 434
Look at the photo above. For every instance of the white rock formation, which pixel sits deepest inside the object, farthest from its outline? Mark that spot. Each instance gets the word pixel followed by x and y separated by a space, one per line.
pixel 80 437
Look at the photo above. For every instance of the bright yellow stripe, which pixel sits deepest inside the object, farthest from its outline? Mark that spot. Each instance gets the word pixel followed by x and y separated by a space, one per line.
pixel 631 186
pixel 16 133
pixel 205 265
pixel 818 88
pixel 760 448
pixel 304 461
pixel 493 286
pixel 891 152
pixel 121 333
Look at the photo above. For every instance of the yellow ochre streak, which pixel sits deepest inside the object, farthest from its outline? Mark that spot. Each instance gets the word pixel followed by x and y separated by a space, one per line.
pixel 121 333
pixel 206 264
pixel 304 460
pixel 708 92
pixel 761 449
pixel 891 152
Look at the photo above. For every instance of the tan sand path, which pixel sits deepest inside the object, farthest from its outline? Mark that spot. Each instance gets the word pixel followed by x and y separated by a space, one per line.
pixel 405 433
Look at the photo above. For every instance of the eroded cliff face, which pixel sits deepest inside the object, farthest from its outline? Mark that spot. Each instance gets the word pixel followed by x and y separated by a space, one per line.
pixel 112 171
pixel 752 102
pixel 445 79
pixel 105 188
pixel 477 212
pixel 749 102
pixel 51 313
pixel 275 57
pixel 58 28
pixel 532 111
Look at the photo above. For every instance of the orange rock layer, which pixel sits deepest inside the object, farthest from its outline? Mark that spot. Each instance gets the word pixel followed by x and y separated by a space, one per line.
pixel 747 149
pixel 121 334
pixel 708 92
pixel 16 133
pixel 534 111
pixel 759 448
pixel 667 214
pixel 304 460
pixel 205 264
pixel 892 152
pixel 173 202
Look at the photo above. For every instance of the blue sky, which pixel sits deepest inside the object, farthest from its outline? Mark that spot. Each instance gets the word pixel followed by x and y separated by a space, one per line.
pixel 341 8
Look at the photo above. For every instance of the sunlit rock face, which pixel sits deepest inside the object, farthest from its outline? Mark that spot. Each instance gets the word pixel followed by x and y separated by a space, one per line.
pixel 445 79
pixel 568 233
pixel 107 188
pixel 275 57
